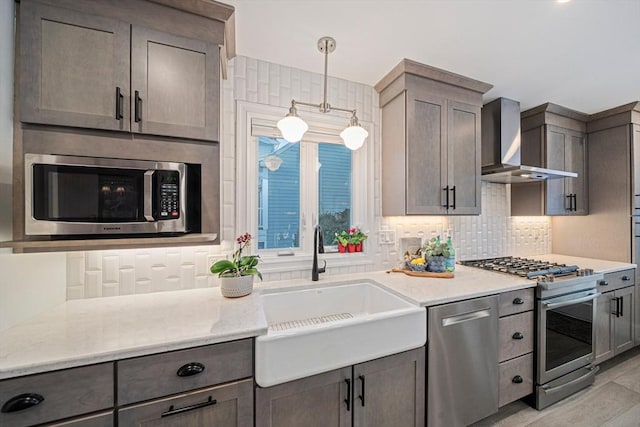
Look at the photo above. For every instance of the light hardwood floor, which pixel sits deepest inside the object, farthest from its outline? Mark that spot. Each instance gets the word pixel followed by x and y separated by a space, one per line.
pixel 612 401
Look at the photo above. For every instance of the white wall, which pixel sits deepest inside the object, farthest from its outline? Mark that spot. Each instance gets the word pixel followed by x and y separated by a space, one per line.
pixel 29 283
pixel 6 115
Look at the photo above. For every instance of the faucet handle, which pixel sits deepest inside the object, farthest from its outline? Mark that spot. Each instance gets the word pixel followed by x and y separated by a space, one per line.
pixel 323 268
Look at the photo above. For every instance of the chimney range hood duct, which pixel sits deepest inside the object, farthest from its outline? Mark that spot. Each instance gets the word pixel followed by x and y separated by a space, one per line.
pixel 501 147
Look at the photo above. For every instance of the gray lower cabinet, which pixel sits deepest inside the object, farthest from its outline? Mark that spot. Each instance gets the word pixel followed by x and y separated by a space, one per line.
pixel 197 387
pixel 430 141
pixel 383 392
pixel 90 71
pixel 615 327
pixel 516 341
pixel 229 405
pixel 105 419
pixel 58 395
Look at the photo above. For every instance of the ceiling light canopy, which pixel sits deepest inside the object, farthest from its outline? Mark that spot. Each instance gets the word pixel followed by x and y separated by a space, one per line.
pixel 293 127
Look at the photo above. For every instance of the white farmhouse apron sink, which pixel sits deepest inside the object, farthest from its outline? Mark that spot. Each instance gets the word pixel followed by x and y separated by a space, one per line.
pixel 318 329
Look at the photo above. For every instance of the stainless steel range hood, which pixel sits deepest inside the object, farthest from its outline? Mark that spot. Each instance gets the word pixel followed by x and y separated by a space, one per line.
pixel 501 147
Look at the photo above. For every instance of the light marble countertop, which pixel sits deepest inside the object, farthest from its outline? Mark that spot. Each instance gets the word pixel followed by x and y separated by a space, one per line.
pixel 82 332
pixel 598 265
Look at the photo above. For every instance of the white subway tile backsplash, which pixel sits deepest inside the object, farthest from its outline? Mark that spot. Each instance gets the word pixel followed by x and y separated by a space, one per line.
pixel 93 283
pixel 127 281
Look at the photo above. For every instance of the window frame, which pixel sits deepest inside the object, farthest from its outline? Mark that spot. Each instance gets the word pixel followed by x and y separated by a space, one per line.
pixel 322 128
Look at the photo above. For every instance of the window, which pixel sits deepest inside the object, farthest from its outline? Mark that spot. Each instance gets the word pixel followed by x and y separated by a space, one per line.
pixel 291 187
pixel 279 205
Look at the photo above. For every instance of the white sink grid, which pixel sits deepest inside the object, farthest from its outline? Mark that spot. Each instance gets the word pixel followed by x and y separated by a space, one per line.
pixel 318 329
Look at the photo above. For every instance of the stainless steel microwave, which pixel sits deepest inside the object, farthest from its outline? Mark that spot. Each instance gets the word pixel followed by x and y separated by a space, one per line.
pixel 70 195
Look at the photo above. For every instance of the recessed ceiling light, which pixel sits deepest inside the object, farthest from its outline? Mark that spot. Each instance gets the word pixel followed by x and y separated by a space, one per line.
pixel 563 1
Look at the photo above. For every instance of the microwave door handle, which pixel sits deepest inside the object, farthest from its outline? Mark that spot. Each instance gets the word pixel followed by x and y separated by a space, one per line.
pixel 148 196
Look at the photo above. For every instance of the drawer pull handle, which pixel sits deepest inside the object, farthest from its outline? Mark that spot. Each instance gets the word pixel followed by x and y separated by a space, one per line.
pixel 22 401
pixel 517 336
pixel 172 411
pixel 517 379
pixel 193 368
pixel 626 278
pixel 518 301
pixel 603 283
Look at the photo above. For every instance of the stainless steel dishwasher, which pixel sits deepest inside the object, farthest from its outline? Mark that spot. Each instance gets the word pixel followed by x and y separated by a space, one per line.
pixel 462 375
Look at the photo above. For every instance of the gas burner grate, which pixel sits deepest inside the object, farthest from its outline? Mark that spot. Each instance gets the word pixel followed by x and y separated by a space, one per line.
pixel 523 267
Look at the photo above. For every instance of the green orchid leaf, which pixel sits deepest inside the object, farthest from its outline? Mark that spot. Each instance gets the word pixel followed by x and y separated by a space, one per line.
pixel 222 266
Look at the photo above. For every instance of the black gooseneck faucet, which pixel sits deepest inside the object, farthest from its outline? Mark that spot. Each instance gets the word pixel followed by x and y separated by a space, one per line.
pixel 318 248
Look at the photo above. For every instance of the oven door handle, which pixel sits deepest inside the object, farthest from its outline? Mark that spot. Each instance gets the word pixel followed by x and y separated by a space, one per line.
pixel 552 305
pixel 148 196
pixel 551 390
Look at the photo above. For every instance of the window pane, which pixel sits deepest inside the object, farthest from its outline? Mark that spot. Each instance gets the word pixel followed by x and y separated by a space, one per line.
pixel 334 189
pixel 278 194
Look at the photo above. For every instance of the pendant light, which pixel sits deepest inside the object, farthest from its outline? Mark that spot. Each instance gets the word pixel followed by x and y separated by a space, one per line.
pixel 293 127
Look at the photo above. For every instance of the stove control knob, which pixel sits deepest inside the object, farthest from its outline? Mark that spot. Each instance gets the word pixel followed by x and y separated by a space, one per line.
pixel 585 272
pixel 550 278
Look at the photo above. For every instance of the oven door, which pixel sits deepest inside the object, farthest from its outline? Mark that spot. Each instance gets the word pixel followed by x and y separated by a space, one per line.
pixel 566 334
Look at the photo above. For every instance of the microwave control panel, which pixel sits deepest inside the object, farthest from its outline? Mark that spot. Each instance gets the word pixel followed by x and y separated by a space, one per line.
pixel 167 194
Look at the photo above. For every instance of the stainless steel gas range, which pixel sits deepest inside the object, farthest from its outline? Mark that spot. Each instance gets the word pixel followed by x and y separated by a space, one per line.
pixel 565 323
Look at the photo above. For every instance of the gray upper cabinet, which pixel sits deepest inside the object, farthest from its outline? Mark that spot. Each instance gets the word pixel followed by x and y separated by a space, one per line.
pixel 430 141
pixel 175 85
pixel 84 70
pixel 553 137
pixel 566 150
pixel 74 68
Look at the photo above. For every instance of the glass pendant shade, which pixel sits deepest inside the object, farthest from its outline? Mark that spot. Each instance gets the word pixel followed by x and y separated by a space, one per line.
pixel 292 128
pixel 354 136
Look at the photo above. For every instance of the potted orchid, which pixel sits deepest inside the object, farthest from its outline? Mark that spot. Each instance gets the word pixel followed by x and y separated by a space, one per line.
pixel 237 274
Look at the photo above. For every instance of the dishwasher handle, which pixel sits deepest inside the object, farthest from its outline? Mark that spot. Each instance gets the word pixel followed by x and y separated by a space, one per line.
pixel 466 317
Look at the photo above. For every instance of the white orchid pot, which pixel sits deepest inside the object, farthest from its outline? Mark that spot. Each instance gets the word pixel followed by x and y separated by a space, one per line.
pixel 233 287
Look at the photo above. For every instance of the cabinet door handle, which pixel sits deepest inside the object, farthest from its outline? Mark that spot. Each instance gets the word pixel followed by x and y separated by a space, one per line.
pixel 517 379
pixel 22 401
pixel 603 283
pixel 453 192
pixel 575 202
pixel 119 103
pixel 617 310
pixel 138 107
pixel 446 197
pixel 621 299
pixel 361 397
pixel 518 301
pixel 570 202
pixel 517 336
pixel 190 369
pixel 171 411
pixel 626 278
pixel 348 399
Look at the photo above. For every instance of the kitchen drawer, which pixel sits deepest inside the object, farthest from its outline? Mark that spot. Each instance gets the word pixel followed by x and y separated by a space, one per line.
pixel 617 280
pixel 97 420
pixel 516 302
pixel 222 406
pixel 158 375
pixel 516 379
pixel 515 335
pixel 65 393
